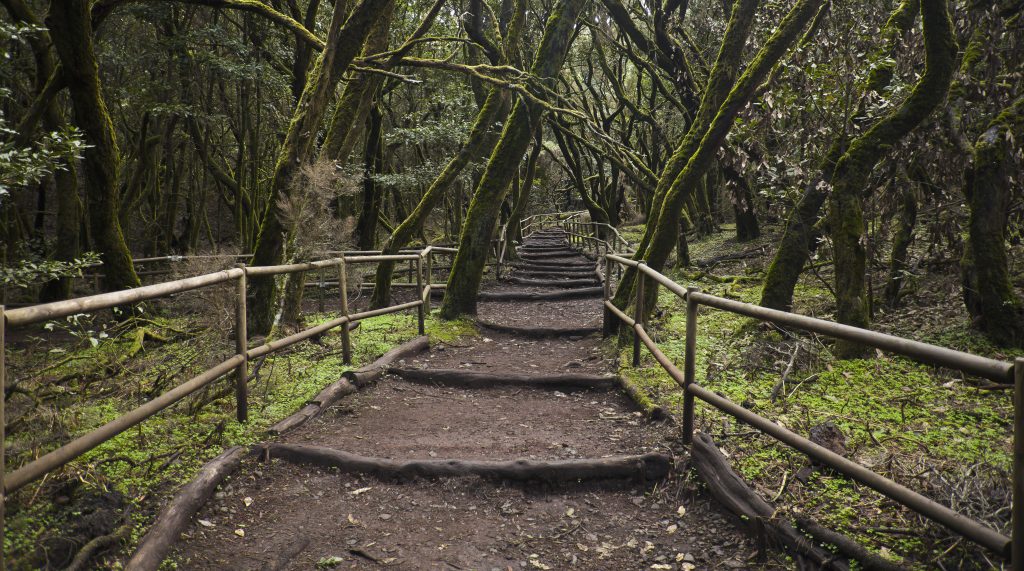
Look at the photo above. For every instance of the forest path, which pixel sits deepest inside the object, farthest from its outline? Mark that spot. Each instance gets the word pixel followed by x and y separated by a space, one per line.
pixel 287 515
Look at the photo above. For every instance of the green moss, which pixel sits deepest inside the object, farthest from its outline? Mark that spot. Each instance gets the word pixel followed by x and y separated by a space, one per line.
pixel 153 459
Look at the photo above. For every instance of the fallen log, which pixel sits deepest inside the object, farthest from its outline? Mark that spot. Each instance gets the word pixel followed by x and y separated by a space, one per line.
pixel 551 283
pixel 548 254
pixel 365 375
pixel 539 332
pixel 463 378
pixel 644 468
pixel 577 265
pixel 731 491
pixel 315 406
pixel 554 273
pixel 177 515
pixel 653 411
pixel 848 547
pixel 542 296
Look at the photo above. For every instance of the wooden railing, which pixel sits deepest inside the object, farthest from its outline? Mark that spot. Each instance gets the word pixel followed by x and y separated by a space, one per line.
pixel 237 363
pixel 585 236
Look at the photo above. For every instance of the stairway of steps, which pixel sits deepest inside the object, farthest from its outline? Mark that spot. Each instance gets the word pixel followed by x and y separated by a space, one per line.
pixel 507 450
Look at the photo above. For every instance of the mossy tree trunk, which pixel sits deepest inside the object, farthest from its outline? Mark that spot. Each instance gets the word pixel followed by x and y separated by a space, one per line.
pixel 703 157
pixel 747 228
pixel 344 42
pixel 373 196
pixel 69 206
pixel 353 108
pixel 523 198
pixel 723 75
pixel 494 109
pixel 903 237
pixel 799 238
pixel 478 228
pixel 987 289
pixel 70 25
pixel 846 219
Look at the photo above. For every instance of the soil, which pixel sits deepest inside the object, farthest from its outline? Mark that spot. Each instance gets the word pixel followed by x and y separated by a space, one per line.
pixel 278 515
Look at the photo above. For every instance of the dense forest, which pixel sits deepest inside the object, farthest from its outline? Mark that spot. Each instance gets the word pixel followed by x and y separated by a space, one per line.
pixel 858 161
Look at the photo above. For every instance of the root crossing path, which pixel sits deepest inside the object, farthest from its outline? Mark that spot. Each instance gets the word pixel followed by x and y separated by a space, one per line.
pixel 510 450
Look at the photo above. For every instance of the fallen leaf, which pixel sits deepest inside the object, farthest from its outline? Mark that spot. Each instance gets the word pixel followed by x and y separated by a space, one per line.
pixel 240 532
pixel 570 512
pixel 206 523
pixel 353 521
pixel 681 511
pixel 360 491
pixel 671 529
pixel 329 562
pixel 687 567
pixel 661 566
pixel 247 501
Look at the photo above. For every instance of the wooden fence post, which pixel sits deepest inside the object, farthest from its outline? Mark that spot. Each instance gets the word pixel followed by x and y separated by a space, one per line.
pixel 346 340
pixel 690 364
pixel 3 434
pixel 606 328
pixel 638 315
pixel 241 347
pixel 430 279
pixel 420 314
pixel 1017 513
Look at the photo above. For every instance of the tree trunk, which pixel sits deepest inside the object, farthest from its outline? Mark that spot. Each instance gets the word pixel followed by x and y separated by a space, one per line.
pixel 906 218
pixel 475 239
pixel 494 109
pixel 665 233
pixel 988 292
pixel 366 227
pixel 851 174
pixel 343 43
pixel 70 24
pixel 798 241
pixel 720 82
pixel 747 227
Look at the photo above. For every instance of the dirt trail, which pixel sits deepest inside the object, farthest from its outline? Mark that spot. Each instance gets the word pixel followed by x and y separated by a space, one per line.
pixel 280 515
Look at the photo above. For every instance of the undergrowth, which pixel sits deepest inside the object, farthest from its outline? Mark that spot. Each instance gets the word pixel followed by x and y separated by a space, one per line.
pixel 932 430
pixel 67 387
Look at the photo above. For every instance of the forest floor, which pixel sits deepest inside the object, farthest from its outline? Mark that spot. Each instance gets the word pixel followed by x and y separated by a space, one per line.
pixel 283 516
pixel 942 434
pixel 936 431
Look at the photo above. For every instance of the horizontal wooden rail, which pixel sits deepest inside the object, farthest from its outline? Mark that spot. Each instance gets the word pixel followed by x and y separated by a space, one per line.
pixel 932 354
pixel 238 363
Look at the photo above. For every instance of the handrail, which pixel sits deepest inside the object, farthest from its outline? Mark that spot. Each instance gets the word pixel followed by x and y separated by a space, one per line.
pixel 238 363
pixel 968 363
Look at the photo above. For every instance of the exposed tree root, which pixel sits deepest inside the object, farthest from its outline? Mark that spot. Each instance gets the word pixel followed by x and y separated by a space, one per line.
pixel 97 544
pixel 472 379
pixel 176 516
pixel 643 468
pixel 539 332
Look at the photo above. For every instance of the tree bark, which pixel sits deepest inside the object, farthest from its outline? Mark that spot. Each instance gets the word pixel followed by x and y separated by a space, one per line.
pixel 71 30
pixel 665 233
pixel 906 218
pixel 478 229
pixel 846 220
pixel 343 43
pixel 798 240
pixel 722 77
pixel 987 289
pixel 494 109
